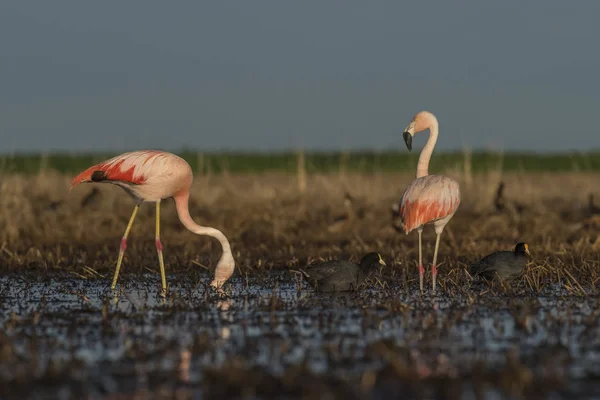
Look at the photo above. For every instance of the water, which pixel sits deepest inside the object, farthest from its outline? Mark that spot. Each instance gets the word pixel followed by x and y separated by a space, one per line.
pixel 65 338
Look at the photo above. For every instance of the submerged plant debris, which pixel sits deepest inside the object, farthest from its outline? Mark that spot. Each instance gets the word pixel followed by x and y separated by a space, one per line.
pixel 65 334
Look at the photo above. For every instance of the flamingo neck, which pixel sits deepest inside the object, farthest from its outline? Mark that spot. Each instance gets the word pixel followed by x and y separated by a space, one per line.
pixel 423 165
pixel 226 263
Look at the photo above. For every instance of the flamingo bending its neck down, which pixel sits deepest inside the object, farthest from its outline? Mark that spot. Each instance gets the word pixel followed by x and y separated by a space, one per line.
pixel 150 176
pixel 429 199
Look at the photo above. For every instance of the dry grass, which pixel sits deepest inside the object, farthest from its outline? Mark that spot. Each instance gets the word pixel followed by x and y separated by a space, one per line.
pixel 275 222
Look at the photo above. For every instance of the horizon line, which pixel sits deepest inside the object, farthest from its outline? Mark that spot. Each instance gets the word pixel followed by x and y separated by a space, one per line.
pixel 75 153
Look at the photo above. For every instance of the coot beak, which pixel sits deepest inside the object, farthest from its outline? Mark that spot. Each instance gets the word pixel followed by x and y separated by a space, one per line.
pixel 408 140
pixel 381 260
pixel 527 249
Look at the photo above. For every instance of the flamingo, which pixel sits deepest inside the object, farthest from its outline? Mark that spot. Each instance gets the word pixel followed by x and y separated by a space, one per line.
pixel 429 199
pixel 151 176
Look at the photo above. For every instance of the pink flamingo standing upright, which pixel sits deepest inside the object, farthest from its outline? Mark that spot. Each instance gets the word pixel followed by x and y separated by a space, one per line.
pixel 151 176
pixel 429 199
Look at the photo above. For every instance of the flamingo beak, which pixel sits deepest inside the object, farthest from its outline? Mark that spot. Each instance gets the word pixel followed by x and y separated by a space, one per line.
pixel 408 140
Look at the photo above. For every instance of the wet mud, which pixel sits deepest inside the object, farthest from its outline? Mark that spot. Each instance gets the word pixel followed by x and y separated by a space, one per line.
pixel 272 336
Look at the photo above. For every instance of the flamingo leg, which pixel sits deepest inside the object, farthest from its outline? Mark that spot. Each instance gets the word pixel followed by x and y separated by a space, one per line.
pixel 159 249
pixel 124 246
pixel 435 254
pixel 421 269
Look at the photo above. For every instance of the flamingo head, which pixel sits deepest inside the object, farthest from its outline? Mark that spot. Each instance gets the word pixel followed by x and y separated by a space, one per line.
pixel 423 120
pixel 224 270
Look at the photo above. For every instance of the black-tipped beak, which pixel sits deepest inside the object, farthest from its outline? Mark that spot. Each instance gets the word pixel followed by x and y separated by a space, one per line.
pixel 408 140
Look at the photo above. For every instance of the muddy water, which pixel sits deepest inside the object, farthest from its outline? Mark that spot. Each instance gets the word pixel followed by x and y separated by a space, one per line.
pixel 74 338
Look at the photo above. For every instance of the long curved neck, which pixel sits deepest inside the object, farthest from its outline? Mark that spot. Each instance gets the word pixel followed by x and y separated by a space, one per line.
pixel 423 165
pixel 226 263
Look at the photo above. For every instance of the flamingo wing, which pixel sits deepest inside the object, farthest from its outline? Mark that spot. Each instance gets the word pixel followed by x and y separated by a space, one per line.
pixel 428 199
pixel 132 168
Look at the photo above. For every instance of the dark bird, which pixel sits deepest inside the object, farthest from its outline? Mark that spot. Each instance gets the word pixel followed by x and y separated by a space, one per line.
pixel 593 209
pixel 351 213
pixel 505 265
pixel 91 198
pixel 341 275
pixel 499 202
pixel 53 206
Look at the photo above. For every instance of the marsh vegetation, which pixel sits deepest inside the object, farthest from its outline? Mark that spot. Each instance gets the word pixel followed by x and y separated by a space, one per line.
pixel 66 334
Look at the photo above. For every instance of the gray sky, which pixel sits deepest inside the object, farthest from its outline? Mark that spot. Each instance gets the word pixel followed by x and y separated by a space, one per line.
pixel 265 75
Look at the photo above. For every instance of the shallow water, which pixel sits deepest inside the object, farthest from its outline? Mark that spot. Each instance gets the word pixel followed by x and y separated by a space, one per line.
pixel 65 338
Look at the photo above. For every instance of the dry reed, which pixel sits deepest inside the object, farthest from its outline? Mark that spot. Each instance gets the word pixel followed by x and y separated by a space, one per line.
pixel 271 225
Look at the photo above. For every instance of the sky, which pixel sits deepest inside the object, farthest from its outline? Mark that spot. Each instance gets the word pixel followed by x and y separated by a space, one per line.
pixel 279 75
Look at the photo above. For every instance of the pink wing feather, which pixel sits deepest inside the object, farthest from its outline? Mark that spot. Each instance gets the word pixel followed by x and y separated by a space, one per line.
pixel 132 168
pixel 428 199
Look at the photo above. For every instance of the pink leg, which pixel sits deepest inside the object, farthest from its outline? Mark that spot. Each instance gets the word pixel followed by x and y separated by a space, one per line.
pixel 435 254
pixel 124 246
pixel 159 249
pixel 421 269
